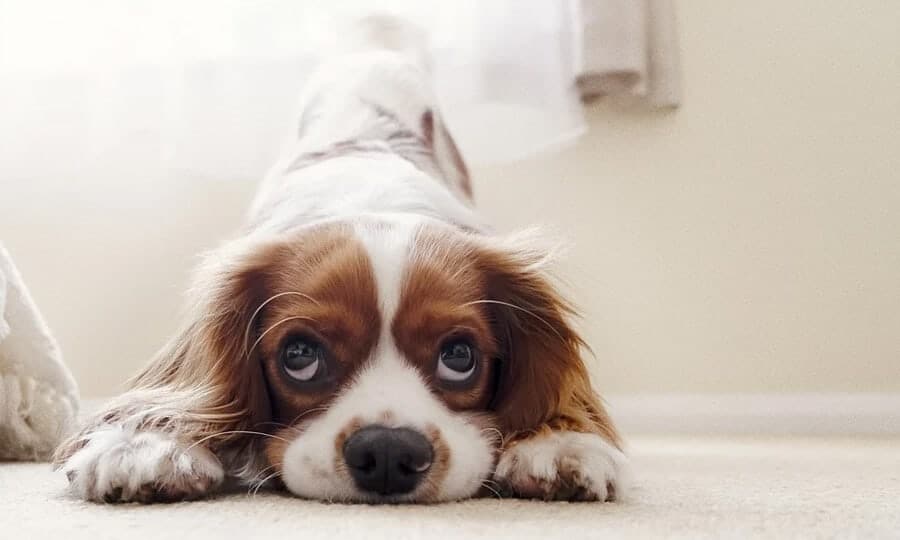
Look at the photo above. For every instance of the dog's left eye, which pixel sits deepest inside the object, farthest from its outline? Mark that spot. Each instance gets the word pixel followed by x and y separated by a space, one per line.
pixel 456 362
pixel 303 359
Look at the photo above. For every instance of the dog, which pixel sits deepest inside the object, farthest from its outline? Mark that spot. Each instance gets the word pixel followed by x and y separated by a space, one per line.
pixel 366 337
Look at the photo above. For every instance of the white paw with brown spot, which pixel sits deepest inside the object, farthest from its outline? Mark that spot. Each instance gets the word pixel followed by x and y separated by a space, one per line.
pixel 120 466
pixel 562 466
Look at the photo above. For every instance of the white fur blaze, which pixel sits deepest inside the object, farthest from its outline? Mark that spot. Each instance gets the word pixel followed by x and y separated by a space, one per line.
pixel 563 466
pixel 123 466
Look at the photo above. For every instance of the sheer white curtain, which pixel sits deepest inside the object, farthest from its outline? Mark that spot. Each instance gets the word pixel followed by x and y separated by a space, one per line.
pixel 207 87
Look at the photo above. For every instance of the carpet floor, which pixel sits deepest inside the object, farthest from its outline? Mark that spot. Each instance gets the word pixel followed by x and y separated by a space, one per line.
pixel 683 488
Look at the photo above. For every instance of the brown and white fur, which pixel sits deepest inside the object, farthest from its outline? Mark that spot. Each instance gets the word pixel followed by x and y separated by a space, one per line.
pixel 363 242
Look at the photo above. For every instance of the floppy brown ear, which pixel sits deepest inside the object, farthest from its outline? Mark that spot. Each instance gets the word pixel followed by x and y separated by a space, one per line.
pixel 202 384
pixel 210 356
pixel 543 382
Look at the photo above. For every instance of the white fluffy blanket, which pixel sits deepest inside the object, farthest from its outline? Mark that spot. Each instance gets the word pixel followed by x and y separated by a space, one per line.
pixel 38 396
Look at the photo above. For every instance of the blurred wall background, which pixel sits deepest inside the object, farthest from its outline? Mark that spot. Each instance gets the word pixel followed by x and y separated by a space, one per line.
pixel 748 243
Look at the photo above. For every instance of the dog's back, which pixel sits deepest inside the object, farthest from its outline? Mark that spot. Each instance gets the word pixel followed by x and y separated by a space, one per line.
pixel 369 139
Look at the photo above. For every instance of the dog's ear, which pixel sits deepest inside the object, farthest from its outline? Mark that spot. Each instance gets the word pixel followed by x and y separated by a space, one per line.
pixel 209 360
pixel 543 380
pixel 203 385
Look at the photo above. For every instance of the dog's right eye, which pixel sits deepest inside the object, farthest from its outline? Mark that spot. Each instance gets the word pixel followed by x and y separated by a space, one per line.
pixel 303 359
pixel 457 361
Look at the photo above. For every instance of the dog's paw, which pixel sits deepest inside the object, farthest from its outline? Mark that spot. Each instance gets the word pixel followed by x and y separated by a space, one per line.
pixel 119 466
pixel 564 466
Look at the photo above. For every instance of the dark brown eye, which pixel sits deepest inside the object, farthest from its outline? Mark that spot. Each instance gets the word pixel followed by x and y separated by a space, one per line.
pixel 457 361
pixel 303 359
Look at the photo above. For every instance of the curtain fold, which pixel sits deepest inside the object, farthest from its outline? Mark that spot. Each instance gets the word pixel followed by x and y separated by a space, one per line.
pixel 206 87
pixel 629 48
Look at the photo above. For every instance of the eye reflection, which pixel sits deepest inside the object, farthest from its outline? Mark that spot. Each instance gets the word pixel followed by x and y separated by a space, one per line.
pixel 303 359
pixel 457 361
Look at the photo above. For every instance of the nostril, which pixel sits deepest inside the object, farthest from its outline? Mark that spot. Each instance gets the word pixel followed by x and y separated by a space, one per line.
pixel 360 455
pixel 416 459
pixel 409 466
pixel 366 462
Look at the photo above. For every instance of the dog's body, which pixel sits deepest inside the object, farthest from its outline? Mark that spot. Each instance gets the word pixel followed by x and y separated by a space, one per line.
pixel 366 338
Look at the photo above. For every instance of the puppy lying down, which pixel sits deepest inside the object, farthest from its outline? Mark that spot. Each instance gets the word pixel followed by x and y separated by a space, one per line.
pixel 366 337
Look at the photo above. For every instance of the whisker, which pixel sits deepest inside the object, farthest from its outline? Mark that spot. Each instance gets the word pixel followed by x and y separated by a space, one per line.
pixel 276 424
pixel 291 426
pixel 491 489
pixel 306 412
pixel 494 430
pixel 269 329
pixel 263 482
pixel 259 474
pixel 520 308
pixel 264 304
pixel 492 482
pixel 234 432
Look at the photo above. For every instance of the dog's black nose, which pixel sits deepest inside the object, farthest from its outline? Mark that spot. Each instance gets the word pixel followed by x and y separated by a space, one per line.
pixel 387 461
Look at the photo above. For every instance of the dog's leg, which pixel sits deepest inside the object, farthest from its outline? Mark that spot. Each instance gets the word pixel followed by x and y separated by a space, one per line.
pixel 556 463
pixel 145 451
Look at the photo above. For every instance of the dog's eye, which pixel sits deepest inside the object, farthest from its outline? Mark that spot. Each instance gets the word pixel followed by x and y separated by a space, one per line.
pixel 303 359
pixel 457 361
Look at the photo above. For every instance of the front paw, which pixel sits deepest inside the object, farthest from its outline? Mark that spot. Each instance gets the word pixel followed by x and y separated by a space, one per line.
pixel 121 466
pixel 565 465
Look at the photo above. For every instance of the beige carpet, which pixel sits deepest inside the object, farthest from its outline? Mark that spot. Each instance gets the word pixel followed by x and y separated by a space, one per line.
pixel 684 488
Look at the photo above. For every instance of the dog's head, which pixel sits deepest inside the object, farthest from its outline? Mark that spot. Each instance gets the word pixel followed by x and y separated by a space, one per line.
pixel 388 360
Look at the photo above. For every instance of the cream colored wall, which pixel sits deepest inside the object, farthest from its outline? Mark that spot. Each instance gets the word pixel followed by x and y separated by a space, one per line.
pixel 749 242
